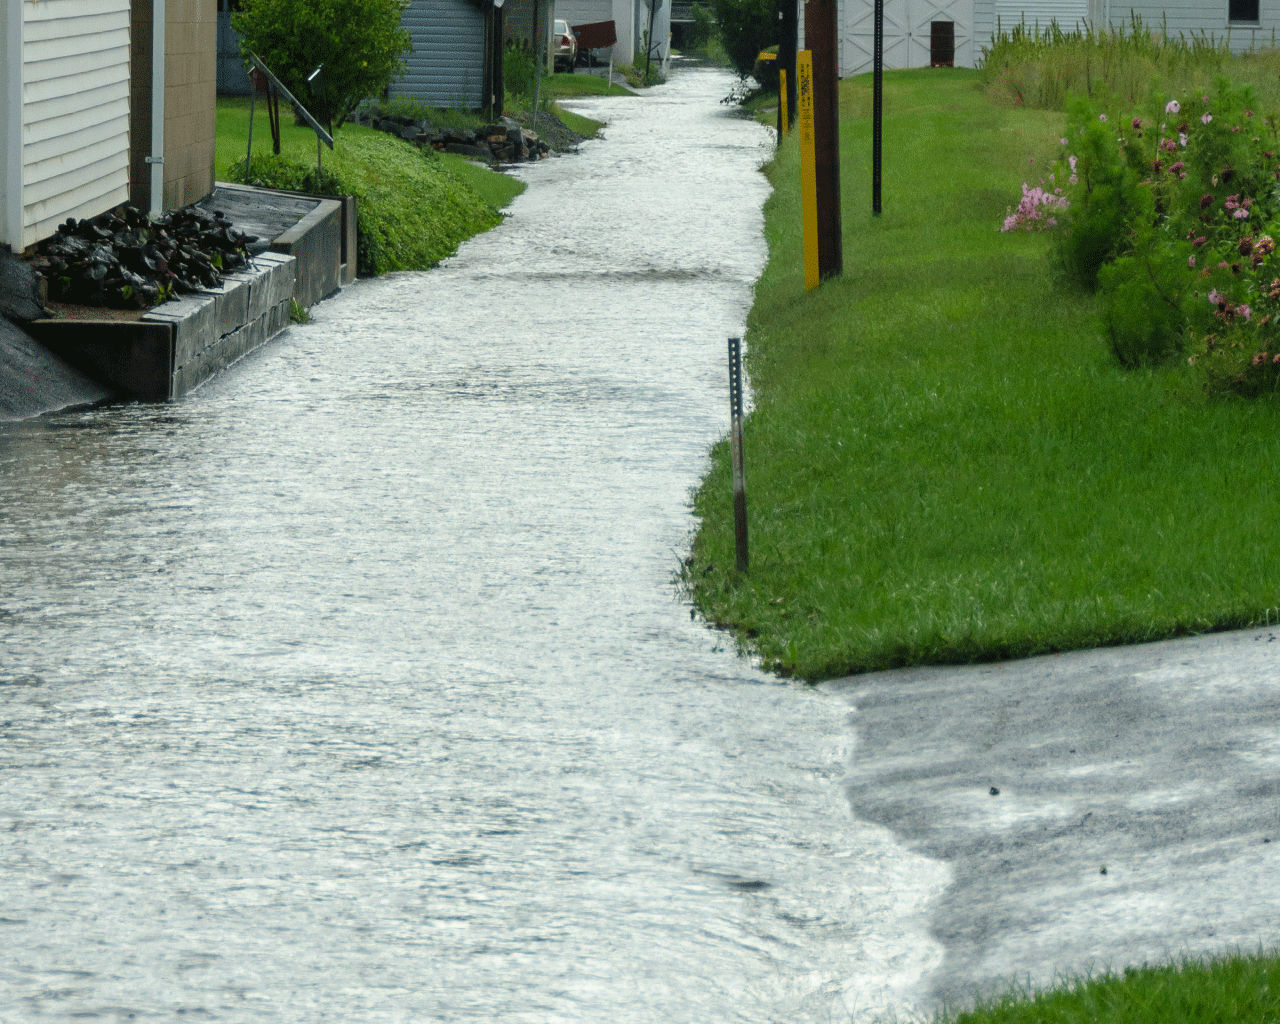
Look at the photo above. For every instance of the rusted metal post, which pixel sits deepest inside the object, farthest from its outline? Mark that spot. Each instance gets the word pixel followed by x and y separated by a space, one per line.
pixel 735 443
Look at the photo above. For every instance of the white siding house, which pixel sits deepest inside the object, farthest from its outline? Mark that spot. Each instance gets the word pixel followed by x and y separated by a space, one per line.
pixel 630 19
pixel 914 29
pixel 1248 24
pixel 64 113
pixel 446 65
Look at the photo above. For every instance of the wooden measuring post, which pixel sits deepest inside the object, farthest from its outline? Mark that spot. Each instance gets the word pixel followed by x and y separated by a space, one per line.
pixel 735 443
pixel 820 33
pixel 808 172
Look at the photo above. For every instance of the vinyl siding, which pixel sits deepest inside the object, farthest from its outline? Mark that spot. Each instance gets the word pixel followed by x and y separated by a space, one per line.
pixel 1068 14
pixel 1188 17
pixel 75 111
pixel 446 66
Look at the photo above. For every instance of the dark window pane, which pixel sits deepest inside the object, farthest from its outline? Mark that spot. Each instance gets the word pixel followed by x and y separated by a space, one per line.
pixel 1242 10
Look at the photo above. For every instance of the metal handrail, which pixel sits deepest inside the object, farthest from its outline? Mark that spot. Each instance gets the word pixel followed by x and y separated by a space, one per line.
pixel 303 112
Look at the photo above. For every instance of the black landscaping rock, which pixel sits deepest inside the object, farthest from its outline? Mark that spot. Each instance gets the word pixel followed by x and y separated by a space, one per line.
pixel 465 149
pixel 503 141
pixel 123 260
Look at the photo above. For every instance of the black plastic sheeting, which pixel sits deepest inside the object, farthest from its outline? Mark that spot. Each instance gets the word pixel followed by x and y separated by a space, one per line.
pixel 34 381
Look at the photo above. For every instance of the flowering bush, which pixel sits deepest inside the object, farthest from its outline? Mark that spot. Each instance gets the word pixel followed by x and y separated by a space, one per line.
pixel 1036 209
pixel 1172 213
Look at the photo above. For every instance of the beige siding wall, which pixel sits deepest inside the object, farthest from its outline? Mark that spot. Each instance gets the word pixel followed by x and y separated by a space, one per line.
pixel 190 98
pixel 75 111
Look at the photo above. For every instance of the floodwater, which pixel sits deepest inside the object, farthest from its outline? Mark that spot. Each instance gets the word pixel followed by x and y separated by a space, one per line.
pixel 356 686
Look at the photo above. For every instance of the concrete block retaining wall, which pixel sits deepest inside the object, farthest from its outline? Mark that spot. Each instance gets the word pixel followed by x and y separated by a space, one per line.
pixel 177 346
pixel 167 351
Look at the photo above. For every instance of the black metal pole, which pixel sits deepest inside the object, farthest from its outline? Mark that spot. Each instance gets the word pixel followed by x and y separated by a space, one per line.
pixel 739 462
pixel 877 105
pixel 788 25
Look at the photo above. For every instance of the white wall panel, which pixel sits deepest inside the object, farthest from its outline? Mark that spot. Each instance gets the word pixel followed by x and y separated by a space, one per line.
pixel 74 111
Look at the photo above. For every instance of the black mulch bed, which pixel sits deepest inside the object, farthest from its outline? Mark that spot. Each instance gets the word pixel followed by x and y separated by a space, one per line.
pixel 124 260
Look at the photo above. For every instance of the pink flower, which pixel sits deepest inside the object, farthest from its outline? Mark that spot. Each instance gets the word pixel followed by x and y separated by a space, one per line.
pixel 1176 168
pixel 1191 262
pixel 1172 107
pixel 1102 117
pixel 1206 117
pixel 1062 141
pixel 1137 124
pixel 1182 139
pixel 1244 310
pixel 1241 214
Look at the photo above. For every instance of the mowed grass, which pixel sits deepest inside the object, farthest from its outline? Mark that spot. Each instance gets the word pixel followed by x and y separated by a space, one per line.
pixel 413 208
pixel 1231 990
pixel 944 464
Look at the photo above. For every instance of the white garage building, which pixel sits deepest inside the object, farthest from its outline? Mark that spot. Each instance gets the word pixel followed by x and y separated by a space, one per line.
pixel 918 33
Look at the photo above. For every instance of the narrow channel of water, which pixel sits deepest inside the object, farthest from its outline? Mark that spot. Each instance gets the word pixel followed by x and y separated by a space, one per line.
pixel 355 686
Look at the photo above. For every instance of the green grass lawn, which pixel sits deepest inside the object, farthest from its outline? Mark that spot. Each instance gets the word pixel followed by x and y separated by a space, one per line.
pixel 1226 990
pixel 944 463
pixel 414 208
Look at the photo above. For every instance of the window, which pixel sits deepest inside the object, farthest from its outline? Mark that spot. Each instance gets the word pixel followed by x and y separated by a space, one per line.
pixel 1243 10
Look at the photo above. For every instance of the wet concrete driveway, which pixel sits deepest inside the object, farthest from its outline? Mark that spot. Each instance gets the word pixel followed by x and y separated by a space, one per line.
pixel 1096 809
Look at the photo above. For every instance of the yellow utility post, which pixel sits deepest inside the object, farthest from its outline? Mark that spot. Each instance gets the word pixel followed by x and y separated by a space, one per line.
pixel 808 167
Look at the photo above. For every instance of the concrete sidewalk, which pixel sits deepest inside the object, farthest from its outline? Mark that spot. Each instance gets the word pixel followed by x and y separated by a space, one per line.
pixel 1096 809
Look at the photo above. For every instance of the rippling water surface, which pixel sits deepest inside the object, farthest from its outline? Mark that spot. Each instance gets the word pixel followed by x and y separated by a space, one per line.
pixel 355 686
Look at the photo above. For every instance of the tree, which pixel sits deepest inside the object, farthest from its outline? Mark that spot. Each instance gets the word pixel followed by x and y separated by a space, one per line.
pixel 359 46
pixel 746 28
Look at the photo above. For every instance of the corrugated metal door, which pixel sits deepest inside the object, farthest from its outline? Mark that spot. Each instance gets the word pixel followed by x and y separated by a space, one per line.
pixel 75 111
pixel 446 67
pixel 907 32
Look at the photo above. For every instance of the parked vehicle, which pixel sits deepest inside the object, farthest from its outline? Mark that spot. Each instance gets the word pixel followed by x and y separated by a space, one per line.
pixel 564 46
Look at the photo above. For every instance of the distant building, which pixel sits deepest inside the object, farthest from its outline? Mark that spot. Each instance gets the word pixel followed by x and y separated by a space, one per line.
pixel 90 119
pixel 631 22
pixel 918 33
pixel 446 67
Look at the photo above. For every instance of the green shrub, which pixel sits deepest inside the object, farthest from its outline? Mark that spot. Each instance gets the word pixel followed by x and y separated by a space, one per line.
pixel 358 44
pixel 1142 309
pixel 519 70
pixel 746 27
pixel 1104 196
pixel 699 33
pixel 1174 209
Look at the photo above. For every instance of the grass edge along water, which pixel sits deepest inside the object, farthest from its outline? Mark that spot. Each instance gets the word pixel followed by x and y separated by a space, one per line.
pixel 944 463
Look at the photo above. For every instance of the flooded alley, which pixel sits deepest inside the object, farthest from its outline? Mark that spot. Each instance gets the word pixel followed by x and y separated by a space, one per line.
pixel 356 685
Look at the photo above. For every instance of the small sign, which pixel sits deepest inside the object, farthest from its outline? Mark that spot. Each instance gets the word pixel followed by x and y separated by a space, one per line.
pixel 808 167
